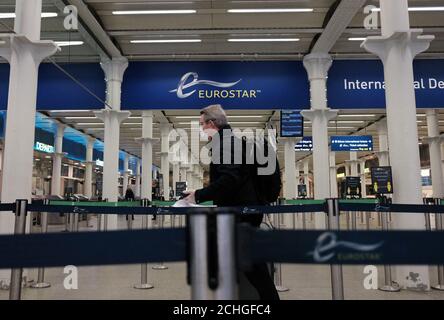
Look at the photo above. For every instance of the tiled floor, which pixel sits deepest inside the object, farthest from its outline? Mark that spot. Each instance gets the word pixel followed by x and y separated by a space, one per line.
pixel 116 282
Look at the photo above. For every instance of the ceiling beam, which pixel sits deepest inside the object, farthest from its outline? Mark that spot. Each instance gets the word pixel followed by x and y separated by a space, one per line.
pixel 338 23
pixel 91 30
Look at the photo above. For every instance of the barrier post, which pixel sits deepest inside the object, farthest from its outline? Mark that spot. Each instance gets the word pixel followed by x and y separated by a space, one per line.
pixel 161 219
pixel 226 248
pixel 278 266
pixel 388 283
pixel 212 255
pixel 439 225
pixel 199 256
pixel 337 281
pixel 15 290
pixel 41 270
pixel 367 219
pixel 144 266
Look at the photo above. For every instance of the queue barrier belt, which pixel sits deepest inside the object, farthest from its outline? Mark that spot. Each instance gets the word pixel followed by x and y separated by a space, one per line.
pixel 92 248
pixel 168 245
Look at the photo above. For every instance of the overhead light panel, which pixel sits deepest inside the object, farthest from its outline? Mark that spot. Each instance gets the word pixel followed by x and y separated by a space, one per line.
pixel 357 39
pixel 11 15
pixel 137 12
pixel 167 41
pixel 356 115
pixel 418 9
pixel 68 43
pixel 264 40
pixel 271 10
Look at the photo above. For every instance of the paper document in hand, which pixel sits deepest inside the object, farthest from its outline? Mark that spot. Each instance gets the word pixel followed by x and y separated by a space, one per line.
pixel 183 203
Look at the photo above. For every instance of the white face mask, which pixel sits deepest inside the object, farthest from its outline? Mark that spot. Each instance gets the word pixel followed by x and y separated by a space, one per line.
pixel 203 135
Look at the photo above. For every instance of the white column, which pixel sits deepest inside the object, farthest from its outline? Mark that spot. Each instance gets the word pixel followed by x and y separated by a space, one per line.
pixel 442 156
pixel 382 154
pixel 24 51
pixel 333 176
pixel 57 160
pixel 183 172
pixel 147 154
pixel 434 141
pixel 397 47
pixel 189 178
pixel 137 191
pixel 290 186
pixel 176 175
pixel 306 164
pixel 165 163
pixel 363 184
pixel 353 162
pixel 112 118
pixel 89 164
pixel 125 174
pixel 317 66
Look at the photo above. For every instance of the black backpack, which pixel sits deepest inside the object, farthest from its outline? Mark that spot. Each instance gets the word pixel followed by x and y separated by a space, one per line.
pixel 267 186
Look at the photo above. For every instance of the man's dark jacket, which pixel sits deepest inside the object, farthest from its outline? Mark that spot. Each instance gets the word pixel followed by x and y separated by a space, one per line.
pixel 231 184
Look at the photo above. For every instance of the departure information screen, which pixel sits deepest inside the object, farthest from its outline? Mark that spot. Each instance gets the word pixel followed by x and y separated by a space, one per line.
pixel 305 145
pixel 292 123
pixel 351 143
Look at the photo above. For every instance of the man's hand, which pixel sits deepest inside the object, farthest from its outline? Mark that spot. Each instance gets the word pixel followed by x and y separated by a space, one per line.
pixel 190 196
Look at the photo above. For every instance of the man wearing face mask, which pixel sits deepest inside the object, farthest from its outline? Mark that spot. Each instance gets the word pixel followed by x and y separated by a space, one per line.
pixel 231 184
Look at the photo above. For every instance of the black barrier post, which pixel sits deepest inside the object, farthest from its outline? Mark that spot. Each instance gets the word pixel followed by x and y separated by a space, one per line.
pixel 337 282
pixel 439 227
pixel 160 219
pixel 212 265
pixel 389 285
pixel 41 270
pixel 15 290
pixel 198 256
pixel 144 266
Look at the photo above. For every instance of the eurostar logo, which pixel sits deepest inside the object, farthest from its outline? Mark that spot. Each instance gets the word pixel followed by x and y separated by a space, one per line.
pixel 327 246
pixel 191 79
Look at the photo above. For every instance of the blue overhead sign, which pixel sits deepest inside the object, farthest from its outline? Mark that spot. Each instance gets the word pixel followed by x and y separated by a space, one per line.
pixel 305 145
pixel 352 84
pixel 351 143
pixel 359 84
pixel 292 123
pixel 233 84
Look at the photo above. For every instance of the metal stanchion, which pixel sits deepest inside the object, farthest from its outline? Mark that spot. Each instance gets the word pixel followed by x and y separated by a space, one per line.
pixel 99 222
pixel 144 266
pixel 379 214
pixel 439 225
pixel 199 257
pixel 389 285
pixel 347 216
pixel 227 286
pixel 172 221
pixel 337 281
pixel 277 266
pixel 368 216
pixel 304 220
pixel 212 256
pixel 15 289
pixel 161 219
pixel 129 221
pixel 41 270
pixel 353 220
